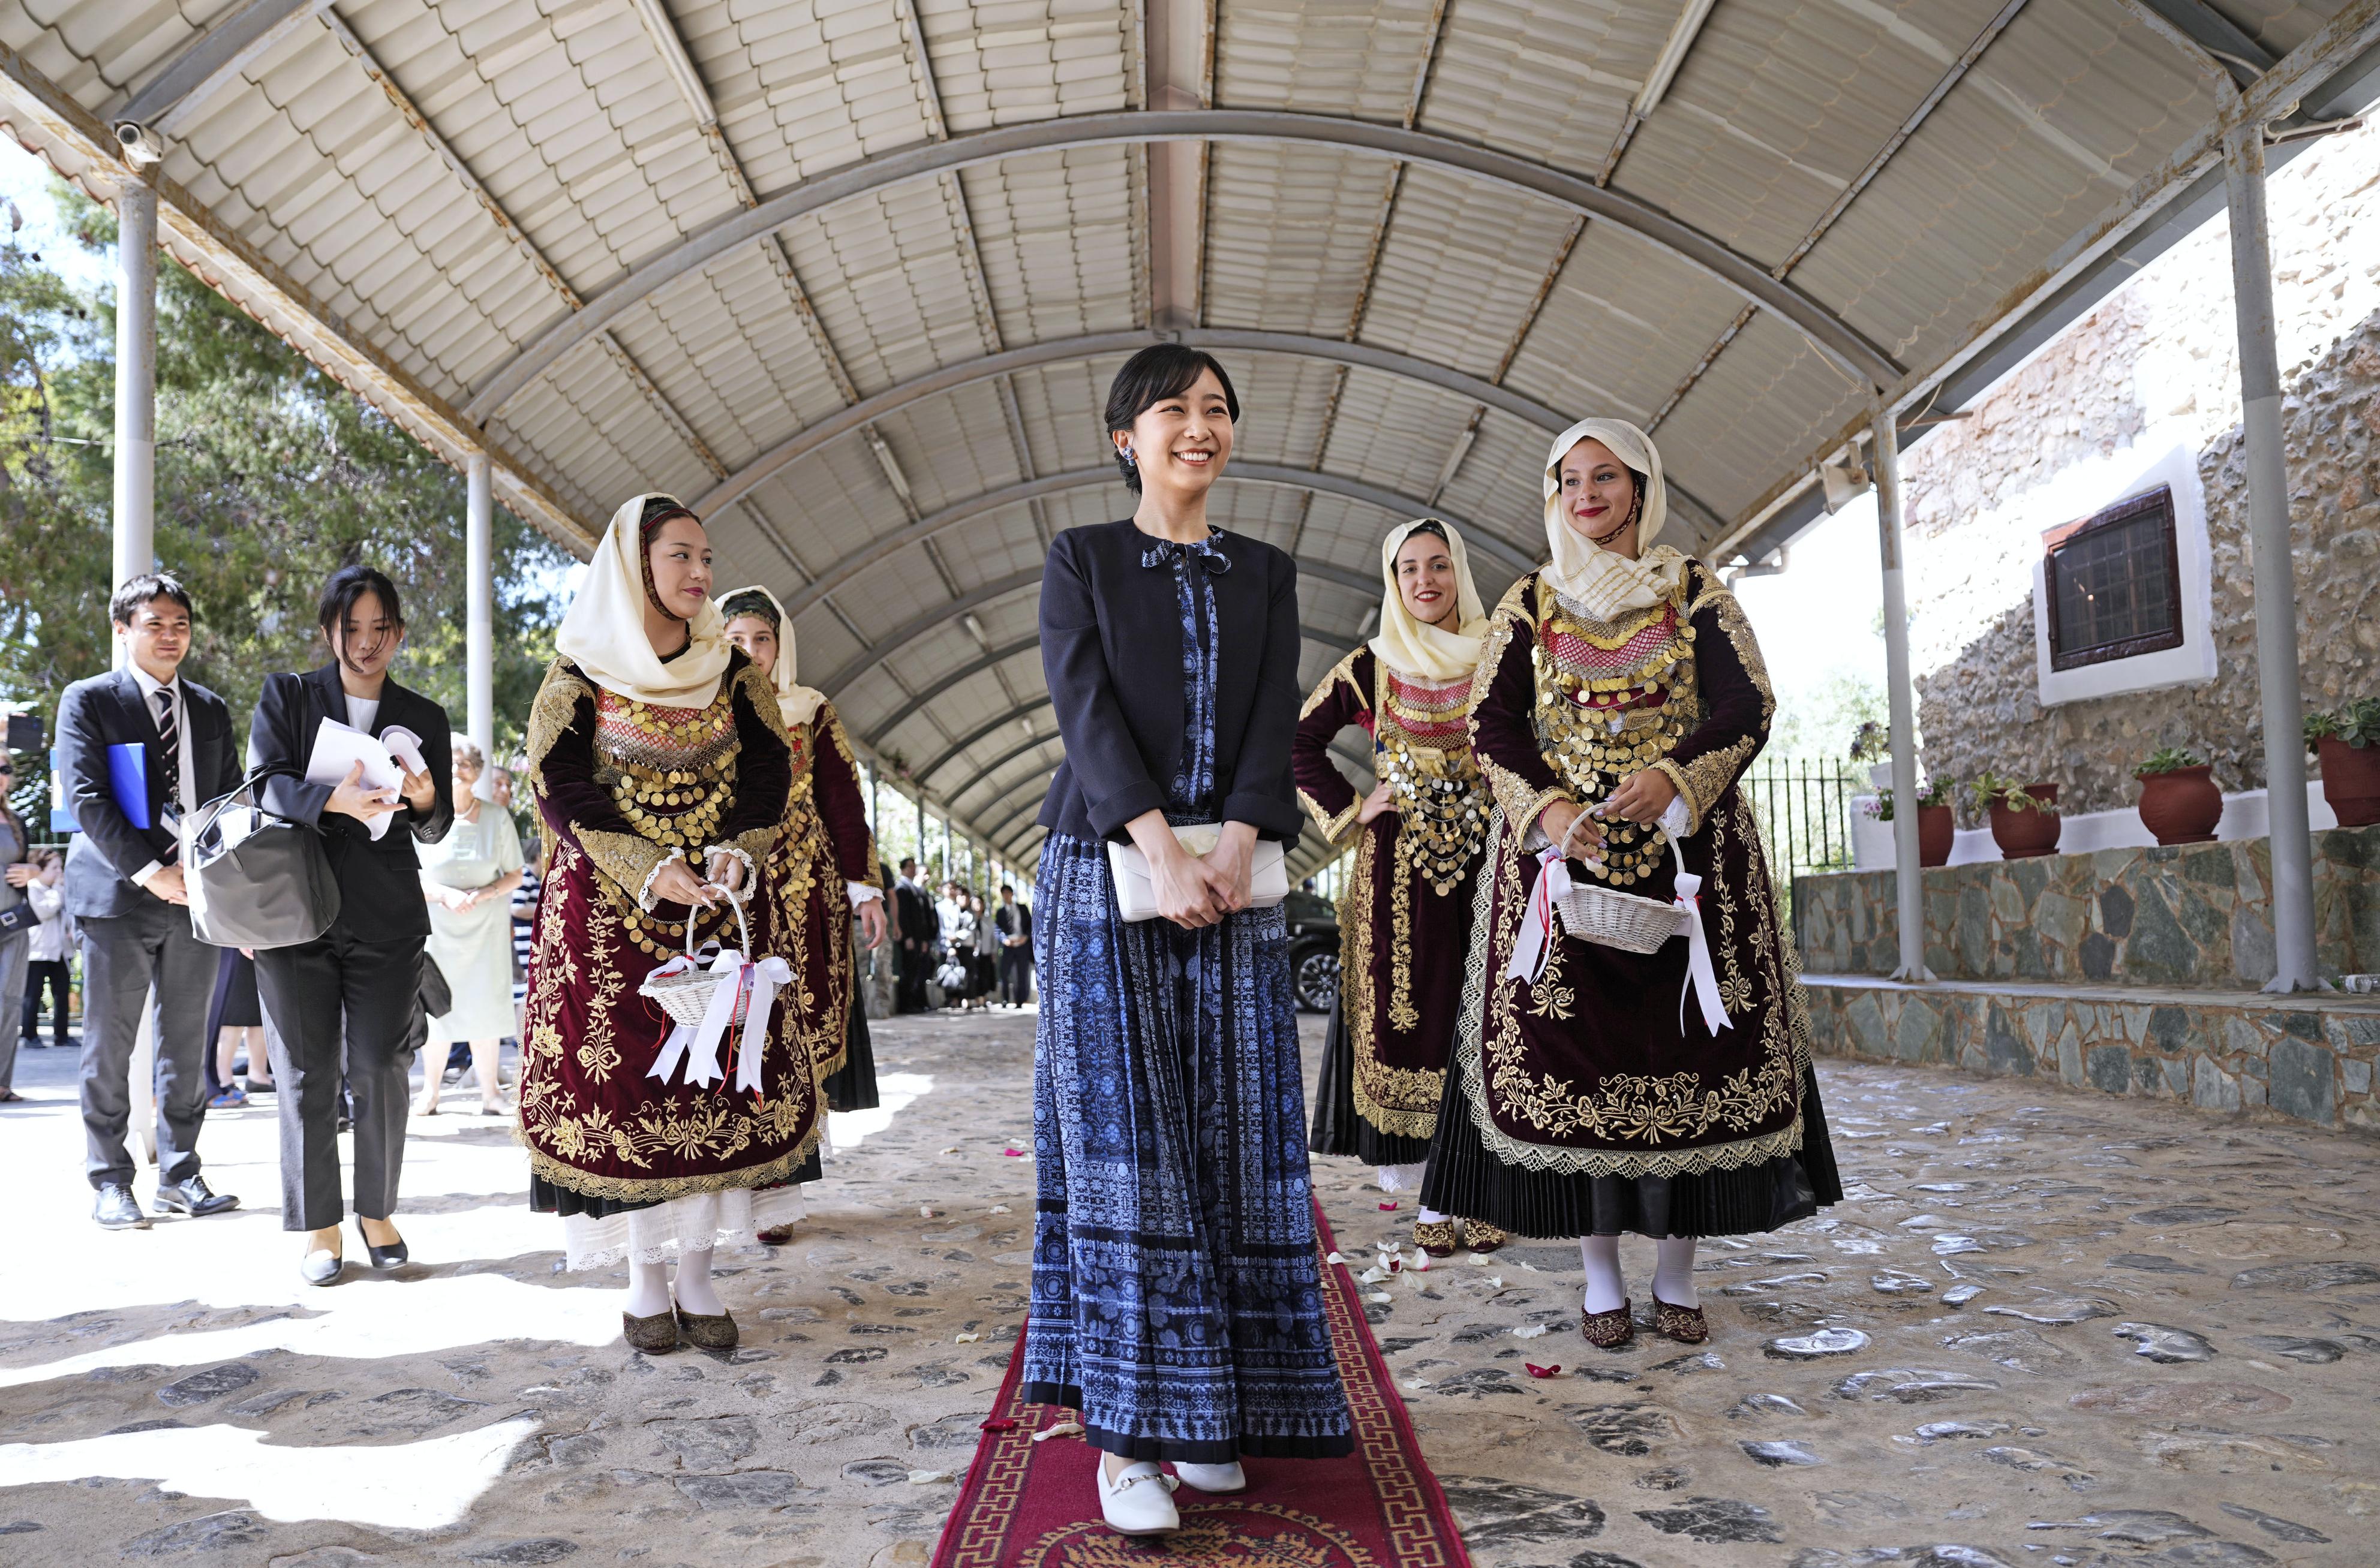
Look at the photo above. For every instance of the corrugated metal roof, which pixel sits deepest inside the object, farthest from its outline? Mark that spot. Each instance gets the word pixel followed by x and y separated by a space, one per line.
pixel 443 183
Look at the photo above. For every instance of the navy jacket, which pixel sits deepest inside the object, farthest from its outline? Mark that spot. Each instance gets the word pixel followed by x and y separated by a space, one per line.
pixel 1112 651
pixel 380 879
pixel 108 710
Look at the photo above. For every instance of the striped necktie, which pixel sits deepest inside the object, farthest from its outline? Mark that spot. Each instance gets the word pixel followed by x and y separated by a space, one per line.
pixel 170 736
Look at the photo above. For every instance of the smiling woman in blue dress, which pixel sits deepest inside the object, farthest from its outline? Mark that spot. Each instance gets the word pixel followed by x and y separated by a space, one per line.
pixel 1177 1297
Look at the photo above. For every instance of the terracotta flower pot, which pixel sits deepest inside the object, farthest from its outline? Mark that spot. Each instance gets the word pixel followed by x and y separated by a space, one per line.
pixel 1937 828
pixel 2181 805
pixel 2350 781
pixel 2021 834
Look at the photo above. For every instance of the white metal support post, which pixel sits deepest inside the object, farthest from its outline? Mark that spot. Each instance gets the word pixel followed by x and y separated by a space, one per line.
pixel 136 508
pixel 1909 881
pixel 136 381
pixel 2268 546
pixel 479 614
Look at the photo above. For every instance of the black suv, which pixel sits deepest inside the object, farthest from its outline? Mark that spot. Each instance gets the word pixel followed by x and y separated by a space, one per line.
pixel 1313 950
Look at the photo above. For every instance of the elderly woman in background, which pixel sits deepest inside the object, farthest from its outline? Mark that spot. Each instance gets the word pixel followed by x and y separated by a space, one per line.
pixel 468 878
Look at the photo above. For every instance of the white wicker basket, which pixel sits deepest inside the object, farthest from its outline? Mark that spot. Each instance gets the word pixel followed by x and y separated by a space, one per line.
pixel 1626 921
pixel 686 996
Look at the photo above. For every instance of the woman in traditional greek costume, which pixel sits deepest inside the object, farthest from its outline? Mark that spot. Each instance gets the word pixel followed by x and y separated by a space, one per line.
pixel 1405 915
pixel 823 867
pixel 661 769
pixel 1596 1089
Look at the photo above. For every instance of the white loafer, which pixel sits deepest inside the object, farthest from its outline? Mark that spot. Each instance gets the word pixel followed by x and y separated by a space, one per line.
pixel 1212 1478
pixel 1139 1502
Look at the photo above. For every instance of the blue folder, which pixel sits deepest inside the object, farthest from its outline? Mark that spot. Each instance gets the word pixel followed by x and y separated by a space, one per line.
pixel 128 780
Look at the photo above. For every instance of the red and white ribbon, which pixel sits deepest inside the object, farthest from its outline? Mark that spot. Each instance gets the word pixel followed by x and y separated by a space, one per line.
pixel 740 1003
pixel 1701 984
pixel 1536 941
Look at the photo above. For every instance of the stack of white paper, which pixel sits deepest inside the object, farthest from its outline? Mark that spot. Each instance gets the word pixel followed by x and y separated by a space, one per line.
pixel 338 747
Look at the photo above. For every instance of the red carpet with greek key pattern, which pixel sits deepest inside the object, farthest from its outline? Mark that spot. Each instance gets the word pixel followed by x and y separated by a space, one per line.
pixel 1028 1504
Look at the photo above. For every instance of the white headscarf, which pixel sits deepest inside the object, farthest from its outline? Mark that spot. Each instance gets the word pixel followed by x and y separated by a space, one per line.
pixel 1412 647
pixel 1605 582
pixel 797 703
pixel 605 632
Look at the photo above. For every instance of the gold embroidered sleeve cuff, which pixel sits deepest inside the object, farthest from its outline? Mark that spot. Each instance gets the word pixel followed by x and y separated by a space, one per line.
pixel 1685 793
pixel 1333 827
pixel 1522 806
pixel 631 862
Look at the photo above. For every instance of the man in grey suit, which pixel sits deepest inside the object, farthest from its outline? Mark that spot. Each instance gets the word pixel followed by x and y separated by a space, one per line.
pixel 124 886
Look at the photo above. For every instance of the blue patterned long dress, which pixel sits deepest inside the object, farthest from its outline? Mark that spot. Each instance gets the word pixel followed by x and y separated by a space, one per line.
pixel 1177 1298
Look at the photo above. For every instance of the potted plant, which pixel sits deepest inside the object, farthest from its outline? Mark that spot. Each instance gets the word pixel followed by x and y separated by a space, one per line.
pixel 2024 816
pixel 1937 830
pixel 1872 743
pixel 2348 744
pixel 2179 803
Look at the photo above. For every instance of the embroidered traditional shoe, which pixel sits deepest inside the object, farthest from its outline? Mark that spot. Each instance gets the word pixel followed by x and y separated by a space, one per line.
pixel 1212 1478
pixel 1684 1325
pixel 1139 1502
pixel 656 1335
pixel 1435 1237
pixel 711 1332
pixel 1607 1330
pixel 775 1235
pixel 1481 1237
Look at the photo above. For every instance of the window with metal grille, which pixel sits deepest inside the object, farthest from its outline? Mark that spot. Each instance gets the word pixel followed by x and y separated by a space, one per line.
pixel 2115 584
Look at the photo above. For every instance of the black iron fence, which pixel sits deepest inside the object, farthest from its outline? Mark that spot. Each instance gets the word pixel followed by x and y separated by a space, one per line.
pixel 1804 809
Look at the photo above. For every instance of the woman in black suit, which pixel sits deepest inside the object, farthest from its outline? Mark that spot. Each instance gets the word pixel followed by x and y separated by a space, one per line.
pixel 358 982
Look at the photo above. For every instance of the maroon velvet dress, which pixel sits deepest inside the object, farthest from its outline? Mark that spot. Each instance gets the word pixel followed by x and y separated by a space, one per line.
pixel 1404 920
pixel 622 784
pixel 1590 1101
pixel 826 844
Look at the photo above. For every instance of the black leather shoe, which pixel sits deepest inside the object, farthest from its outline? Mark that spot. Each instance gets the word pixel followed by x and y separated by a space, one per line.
pixel 192 1198
pixel 383 1257
pixel 115 1210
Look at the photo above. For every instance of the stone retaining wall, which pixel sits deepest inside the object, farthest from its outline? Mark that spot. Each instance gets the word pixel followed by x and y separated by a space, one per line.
pixel 2197 915
pixel 2310 1061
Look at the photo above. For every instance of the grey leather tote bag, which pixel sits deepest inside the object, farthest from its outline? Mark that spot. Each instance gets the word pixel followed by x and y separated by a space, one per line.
pixel 255 879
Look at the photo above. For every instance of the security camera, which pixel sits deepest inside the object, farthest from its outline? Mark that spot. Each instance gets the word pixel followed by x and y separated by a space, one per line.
pixel 141 146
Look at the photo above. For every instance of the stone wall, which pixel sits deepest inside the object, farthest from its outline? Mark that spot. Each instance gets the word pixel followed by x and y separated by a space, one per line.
pixel 2305 1059
pixel 2153 367
pixel 2195 916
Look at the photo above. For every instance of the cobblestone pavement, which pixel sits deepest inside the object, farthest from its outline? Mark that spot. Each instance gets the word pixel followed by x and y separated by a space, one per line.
pixel 2048 1328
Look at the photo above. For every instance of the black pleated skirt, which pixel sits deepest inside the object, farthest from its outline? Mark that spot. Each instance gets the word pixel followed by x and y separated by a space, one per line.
pixel 1465 1178
pixel 1337 1129
pixel 851 1087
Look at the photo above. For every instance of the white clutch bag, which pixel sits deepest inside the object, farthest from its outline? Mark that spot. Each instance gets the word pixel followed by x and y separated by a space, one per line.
pixel 1136 900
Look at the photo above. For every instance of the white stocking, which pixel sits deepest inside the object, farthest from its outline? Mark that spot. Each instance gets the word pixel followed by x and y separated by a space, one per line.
pixel 694 1288
pixel 1673 1270
pixel 1430 1216
pixel 1605 1290
pixel 649 1291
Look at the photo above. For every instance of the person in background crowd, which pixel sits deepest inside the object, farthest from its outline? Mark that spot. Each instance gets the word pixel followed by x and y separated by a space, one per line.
pixel 353 992
pixel 236 1023
pixel 124 887
pixel 1015 923
pixel 914 914
pixel 46 966
pixel 985 956
pixel 957 929
pixel 662 767
pixel 16 946
pixel 468 877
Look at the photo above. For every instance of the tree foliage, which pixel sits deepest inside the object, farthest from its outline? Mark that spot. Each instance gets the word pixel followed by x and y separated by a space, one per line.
pixel 269 477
